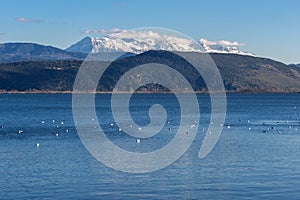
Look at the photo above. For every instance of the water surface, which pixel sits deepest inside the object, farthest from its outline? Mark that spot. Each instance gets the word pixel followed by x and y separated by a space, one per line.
pixel 257 155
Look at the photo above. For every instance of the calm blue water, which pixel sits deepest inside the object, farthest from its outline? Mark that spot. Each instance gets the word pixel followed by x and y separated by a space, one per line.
pixel 260 163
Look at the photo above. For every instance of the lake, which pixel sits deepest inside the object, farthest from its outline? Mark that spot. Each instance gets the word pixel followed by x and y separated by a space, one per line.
pixel 256 157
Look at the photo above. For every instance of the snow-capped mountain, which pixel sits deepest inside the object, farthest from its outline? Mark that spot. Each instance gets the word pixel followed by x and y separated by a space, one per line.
pixel 218 47
pixel 145 41
pixel 134 44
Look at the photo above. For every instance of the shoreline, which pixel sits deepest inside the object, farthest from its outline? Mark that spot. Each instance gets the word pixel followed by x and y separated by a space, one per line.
pixel 144 92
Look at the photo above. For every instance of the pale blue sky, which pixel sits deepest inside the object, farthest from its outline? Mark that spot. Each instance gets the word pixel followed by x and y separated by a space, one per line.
pixel 269 28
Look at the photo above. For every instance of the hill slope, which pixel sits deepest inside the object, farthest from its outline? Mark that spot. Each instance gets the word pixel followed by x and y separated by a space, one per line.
pixel 240 73
pixel 247 73
pixel 16 52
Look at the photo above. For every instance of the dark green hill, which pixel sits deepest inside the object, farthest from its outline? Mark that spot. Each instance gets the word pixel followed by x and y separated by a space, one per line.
pixel 240 73
pixel 247 73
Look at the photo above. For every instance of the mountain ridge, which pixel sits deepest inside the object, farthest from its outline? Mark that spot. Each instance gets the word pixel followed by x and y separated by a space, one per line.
pixel 19 51
pixel 132 45
pixel 25 51
pixel 240 73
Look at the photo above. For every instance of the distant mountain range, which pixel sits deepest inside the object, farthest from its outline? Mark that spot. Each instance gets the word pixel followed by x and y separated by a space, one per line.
pixel 16 52
pixel 28 66
pixel 108 48
pixel 157 42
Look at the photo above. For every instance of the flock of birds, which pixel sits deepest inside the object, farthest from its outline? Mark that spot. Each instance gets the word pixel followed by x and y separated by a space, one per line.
pixel 265 127
pixel 54 122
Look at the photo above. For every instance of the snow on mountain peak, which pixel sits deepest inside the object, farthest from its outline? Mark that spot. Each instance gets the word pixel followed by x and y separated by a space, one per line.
pixel 138 42
pixel 145 40
pixel 222 46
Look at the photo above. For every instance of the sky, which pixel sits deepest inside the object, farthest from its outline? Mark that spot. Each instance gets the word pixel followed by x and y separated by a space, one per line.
pixel 267 28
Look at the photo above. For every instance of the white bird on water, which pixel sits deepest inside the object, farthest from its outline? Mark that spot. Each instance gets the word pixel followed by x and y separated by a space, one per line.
pixel 138 140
